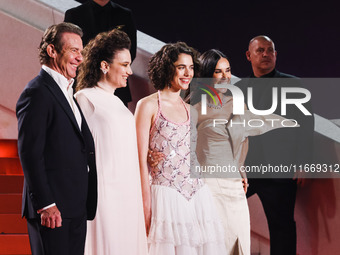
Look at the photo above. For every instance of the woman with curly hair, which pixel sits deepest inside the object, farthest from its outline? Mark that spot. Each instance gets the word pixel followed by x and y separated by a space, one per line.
pixel 180 216
pixel 118 227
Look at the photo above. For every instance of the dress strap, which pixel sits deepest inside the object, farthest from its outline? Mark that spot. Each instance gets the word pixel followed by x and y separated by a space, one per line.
pixel 158 111
pixel 159 100
pixel 186 109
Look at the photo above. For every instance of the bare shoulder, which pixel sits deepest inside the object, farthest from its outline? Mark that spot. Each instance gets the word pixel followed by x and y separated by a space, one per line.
pixel 148 100
pixel 148 104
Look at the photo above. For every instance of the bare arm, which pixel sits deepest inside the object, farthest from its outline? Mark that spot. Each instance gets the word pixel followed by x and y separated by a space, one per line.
pixel 241 160
pixel 143 116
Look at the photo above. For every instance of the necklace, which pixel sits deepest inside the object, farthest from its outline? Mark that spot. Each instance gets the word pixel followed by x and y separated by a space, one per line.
pixel 218 106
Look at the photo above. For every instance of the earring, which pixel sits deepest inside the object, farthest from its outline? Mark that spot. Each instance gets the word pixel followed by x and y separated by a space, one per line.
pixel 103 70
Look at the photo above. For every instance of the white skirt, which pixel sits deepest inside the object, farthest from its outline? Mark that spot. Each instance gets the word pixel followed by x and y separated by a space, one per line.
pixel 184 227
pixel 232 207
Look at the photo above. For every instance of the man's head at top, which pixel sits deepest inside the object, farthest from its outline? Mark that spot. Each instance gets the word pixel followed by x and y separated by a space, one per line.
pixel 61 47
pixel 262 55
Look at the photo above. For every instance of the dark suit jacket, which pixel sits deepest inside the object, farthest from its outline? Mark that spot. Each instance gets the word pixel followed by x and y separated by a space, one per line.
pixel 54 153
pixel 83 16
pixel 284 145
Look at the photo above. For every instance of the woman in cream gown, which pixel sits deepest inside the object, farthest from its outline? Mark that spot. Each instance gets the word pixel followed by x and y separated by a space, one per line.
pixel 118 227
pixel 227 145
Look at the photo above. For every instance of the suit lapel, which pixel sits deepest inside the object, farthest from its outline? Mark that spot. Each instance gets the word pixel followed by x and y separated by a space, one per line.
pixel 61 99
pixel 84 125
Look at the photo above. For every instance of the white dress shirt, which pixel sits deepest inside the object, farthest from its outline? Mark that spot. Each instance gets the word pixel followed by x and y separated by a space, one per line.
pixel 66 87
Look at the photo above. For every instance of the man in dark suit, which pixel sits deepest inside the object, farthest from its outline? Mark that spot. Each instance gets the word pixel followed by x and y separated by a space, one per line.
pixel 56 149
pixel 96 16
pixel 280 147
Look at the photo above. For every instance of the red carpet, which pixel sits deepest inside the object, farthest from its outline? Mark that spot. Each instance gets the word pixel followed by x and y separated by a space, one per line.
pixel 13 229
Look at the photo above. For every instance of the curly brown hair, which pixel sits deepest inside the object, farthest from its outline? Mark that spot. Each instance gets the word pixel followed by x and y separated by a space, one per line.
pixel 102 48
pixel 161 68
pixel 53 35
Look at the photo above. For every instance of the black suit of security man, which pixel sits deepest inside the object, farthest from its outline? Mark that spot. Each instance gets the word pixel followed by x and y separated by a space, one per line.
pixel 280 147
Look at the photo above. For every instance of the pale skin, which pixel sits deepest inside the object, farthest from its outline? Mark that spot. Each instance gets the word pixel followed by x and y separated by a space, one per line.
pixel 69 58
pixel 172 108
pixel 116 73
pixel 51 217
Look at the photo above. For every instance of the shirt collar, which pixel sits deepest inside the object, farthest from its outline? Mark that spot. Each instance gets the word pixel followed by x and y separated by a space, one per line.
pixel 60 79
pixel 99 8
pixel 268 75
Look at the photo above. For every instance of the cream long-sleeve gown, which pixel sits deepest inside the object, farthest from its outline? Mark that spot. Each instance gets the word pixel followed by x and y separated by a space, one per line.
pixel 118 227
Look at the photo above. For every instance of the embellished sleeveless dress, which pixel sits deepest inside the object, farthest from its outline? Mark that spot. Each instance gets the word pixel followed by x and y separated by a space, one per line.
pixel 184 218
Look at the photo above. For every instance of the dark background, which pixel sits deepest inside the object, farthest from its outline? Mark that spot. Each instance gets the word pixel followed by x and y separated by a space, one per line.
pixel 306 34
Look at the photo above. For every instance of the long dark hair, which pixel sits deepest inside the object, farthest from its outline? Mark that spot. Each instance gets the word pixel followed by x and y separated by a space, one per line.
pixel 209 61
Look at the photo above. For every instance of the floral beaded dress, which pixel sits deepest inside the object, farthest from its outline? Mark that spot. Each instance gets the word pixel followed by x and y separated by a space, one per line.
pixel 184 218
